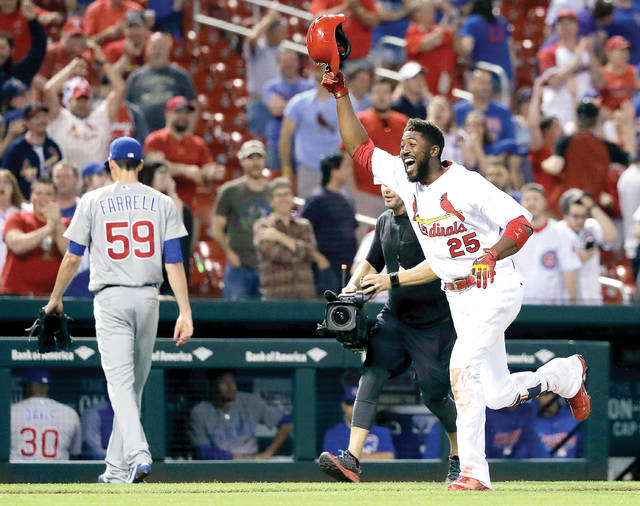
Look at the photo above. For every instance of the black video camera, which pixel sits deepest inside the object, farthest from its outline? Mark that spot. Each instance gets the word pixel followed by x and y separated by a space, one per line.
pixel 346 320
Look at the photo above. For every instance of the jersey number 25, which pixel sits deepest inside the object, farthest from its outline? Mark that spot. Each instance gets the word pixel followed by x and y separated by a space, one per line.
pixel 121 234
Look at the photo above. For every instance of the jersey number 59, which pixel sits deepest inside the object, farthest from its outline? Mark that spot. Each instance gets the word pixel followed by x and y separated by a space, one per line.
pixel 121 234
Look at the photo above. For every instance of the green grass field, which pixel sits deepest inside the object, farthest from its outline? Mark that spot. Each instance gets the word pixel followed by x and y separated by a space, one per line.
pixel 283 494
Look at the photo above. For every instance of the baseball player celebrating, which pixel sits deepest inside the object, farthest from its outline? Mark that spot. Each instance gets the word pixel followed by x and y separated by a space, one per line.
pixel 128 228
pixel 458 215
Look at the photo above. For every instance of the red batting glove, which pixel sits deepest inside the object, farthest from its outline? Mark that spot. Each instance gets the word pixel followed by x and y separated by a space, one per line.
pixel 485 267
pixel 334 84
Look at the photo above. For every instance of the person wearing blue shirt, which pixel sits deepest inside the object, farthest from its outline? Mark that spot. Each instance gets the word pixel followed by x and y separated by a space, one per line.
pixel 509 433
pixel 498 116
pixel 485 37
pixel 310 125
pixel 552 425
pixel 378 444
pixel 276 94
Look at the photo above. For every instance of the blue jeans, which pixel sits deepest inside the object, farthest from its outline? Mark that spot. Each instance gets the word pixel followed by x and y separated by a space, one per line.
pixel 240 283
pixel 257 117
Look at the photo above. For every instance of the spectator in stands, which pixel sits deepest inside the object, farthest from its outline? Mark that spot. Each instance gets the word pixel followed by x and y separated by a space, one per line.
pixel 393 16
pixel 224 427
pixel 618 76
pixel 498 116
pixel 591 229
pixel 96 423
pixel 414 95
pixel 440 113
pixel 359 83
pixel 570 68
pixel 130 120
pixel 310 129
pixel 158 176
pixel 582 160
pixel 28 55
pixel 185 154
pixel 104 20
pixel 260 51
pixel 276 94
pixel 617 22
pixel 153 84
pixel 286 248
pixel 545 132
pixel 10 202
pixel 127 54
pixel 332 216
pixel 509 432
pixel 431 45
pixel 485 37
pixel 552 426
pixel 362 18
pixel 547 262
pixel 83 133
pixel 43 429
pixel 35 243
pixel 67 179
pixel 378 445
pixel 240 203
pixel 497 173
pixel 385 128
pixel 32 155
pixel 73 44
pixel 629 193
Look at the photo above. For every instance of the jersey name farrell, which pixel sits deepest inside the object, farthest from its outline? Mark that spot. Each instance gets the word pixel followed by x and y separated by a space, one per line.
pixel 126 202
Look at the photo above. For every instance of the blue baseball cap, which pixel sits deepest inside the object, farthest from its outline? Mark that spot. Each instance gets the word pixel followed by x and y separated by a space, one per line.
pixel 13 87
pixel 92 168
pixel 349 396
pixel 38 375
pixel 124 148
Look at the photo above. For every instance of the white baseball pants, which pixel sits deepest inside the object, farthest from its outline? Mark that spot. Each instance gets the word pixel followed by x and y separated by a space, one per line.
pixel 479 374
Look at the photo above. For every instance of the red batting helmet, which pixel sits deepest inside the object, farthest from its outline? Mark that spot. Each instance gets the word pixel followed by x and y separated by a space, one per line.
pixel 327 43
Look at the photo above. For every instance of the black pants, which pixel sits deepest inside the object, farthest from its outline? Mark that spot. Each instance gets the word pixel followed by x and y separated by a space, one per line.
pixel 393 346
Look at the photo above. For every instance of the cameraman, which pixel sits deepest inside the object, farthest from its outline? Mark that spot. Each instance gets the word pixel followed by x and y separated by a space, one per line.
pixel 414 326
pixel 590 229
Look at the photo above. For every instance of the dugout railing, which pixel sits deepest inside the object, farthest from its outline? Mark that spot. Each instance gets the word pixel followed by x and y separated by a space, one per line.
pixel 307 361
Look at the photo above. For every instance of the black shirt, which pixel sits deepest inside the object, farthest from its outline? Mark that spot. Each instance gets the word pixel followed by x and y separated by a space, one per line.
pixel 394 245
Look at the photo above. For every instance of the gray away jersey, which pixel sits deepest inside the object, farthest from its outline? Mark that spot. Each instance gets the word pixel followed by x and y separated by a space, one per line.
pixel 125 227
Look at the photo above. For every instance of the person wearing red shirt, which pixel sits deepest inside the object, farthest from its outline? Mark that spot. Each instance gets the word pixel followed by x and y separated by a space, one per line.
pixel 128 54
pixel 35 244
pixel 431 45
pixel 362 18
pixel 385 127
pixel 104 20
pixel 186 155
pixel 59 54
pixel 619 77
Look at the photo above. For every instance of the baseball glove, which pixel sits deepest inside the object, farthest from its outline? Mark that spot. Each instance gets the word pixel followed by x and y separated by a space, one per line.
pixel 52 331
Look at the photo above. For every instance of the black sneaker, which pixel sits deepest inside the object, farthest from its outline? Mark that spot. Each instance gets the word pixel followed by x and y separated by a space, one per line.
pixel 344 467
pixel 454 469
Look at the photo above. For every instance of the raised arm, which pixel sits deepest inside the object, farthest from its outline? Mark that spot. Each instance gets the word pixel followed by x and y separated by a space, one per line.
pixel 351 130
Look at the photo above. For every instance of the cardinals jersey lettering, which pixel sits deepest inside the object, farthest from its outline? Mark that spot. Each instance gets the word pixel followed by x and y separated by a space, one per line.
pixel 125 227
pixel 454 218
pixel 44 430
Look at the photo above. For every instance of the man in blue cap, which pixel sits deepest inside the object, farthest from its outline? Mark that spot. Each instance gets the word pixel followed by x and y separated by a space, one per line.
pixel 128 227
pixel 43 429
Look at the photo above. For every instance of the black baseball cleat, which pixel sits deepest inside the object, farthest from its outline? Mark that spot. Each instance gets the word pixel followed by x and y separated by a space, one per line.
pixel 454 469
pixel 344 467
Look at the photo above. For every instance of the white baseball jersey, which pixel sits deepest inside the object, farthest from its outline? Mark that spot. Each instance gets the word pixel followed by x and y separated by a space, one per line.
pixel 125 227
pixel 44 430
pixel 589 290
pixel 454 218
pixel 542 260
pixel 82 140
